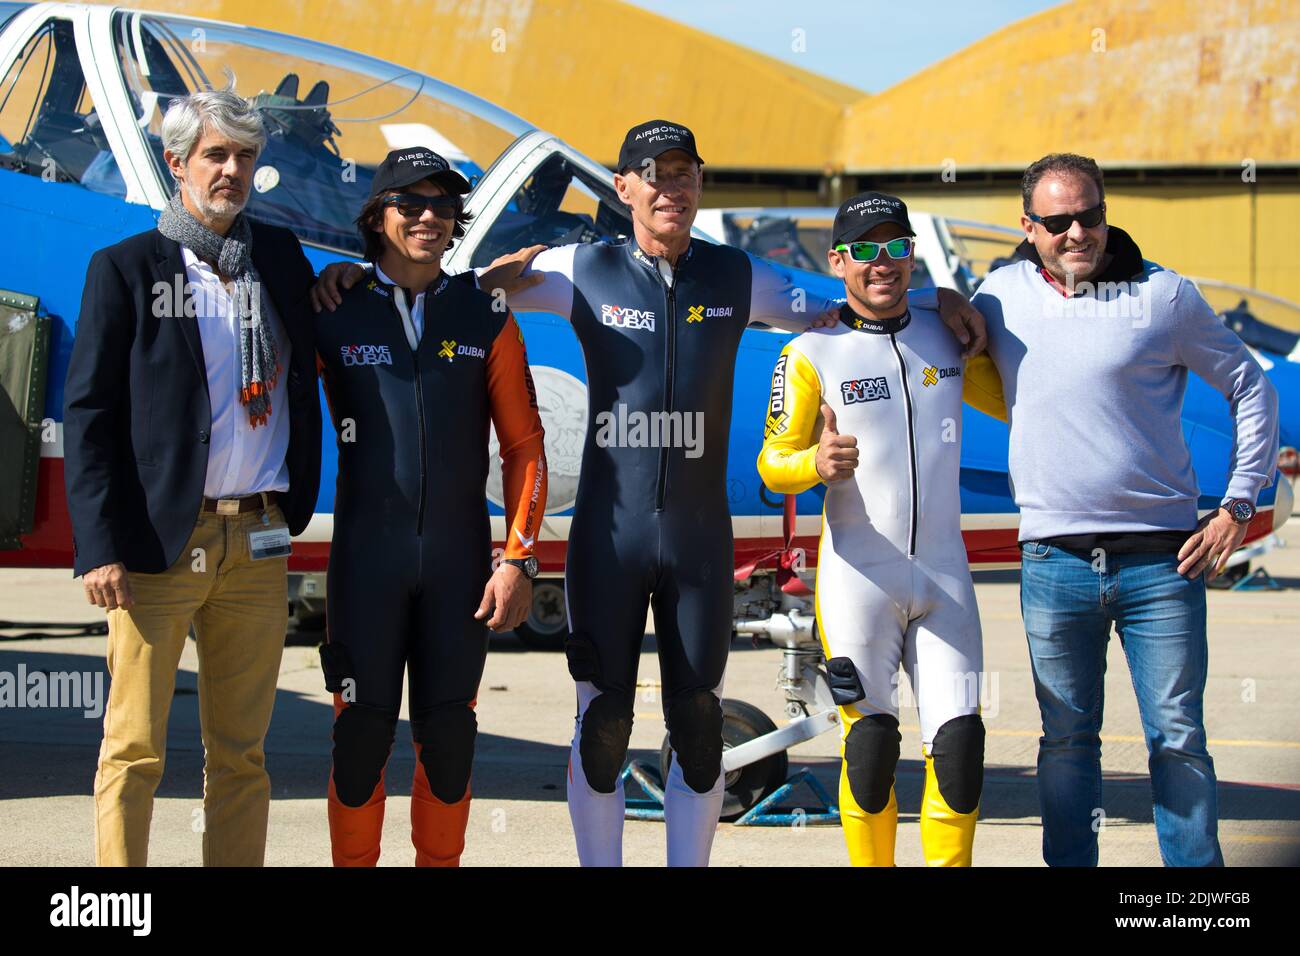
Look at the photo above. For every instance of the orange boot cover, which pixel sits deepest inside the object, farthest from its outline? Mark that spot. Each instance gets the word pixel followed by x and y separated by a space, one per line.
pixel 440 792
pixel 437 828
pixel 355 831
pixel 363 739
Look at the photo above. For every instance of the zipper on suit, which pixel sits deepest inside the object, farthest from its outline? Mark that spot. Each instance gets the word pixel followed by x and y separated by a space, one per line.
pixel 424 452
pixel 419 411
pixel 670 346
pixel 911 445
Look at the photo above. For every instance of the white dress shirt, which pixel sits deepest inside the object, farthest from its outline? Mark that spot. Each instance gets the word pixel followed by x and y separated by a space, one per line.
pixel 242 460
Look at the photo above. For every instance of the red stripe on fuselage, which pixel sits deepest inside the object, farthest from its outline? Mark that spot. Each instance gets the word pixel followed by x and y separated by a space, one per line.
pixel 50 544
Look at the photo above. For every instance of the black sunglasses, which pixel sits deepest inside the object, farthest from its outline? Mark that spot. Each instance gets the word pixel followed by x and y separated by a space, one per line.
pixel 1061 223
pixel 413 205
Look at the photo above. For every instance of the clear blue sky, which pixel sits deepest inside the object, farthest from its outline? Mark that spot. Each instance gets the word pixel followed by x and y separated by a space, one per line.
pixel 869 44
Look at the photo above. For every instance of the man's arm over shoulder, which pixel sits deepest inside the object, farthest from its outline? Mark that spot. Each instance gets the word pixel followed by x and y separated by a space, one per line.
pixel 775 299
pixel 1213 351
pixel 93 400
pixel 554 293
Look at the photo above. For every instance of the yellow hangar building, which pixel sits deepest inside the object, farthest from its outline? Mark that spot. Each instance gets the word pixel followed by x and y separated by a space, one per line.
pixel 1192 107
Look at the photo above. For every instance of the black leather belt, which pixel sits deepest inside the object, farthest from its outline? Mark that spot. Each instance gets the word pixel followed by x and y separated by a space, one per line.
pixel 238 506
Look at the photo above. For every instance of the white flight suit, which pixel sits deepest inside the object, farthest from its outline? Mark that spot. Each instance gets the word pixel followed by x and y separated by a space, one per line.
pixel 893 582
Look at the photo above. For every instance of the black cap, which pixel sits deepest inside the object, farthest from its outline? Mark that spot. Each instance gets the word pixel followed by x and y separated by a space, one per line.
pixel 649 140
pixel 404 167
pixel 859 214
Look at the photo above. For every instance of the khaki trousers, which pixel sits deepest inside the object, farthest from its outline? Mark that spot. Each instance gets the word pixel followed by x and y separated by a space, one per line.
pixel 239 611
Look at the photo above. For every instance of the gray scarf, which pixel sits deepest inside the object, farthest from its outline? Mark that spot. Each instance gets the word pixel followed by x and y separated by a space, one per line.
pixel 232 255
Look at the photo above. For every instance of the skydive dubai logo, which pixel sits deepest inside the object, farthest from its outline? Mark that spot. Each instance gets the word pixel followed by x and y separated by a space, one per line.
pixel 864 390
pixel 930 375
pixel 698 313
pixel 636 429
pixel 72 909
pixel 366 355
pixel 776 416
pixel 621 318
pixel 450 349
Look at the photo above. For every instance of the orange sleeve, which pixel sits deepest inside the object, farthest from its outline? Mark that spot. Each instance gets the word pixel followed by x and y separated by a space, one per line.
pixel 512 400
pixel 323 374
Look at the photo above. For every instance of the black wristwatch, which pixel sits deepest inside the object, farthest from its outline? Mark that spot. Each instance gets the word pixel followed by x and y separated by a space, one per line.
pixel 527 565
pixel 1240 509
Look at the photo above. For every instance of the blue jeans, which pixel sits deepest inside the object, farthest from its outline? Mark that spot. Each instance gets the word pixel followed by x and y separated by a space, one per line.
pixel 1068 601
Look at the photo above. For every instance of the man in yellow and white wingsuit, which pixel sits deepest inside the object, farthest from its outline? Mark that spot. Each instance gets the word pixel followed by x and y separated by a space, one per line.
pixel 872 407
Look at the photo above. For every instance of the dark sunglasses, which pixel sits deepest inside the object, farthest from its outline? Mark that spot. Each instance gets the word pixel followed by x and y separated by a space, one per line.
pixel 1061 223
pixel 413 205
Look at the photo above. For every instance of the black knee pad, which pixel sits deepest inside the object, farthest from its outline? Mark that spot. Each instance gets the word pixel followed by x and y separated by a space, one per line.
pixel 695 734
pixel 363 738
pixel 871 752
pixel 446 738
pixel 958 754
pixel 606 729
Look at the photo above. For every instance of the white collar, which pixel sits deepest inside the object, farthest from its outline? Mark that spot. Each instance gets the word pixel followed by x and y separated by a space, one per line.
pixel 192 261
pixel 665 270
pixel 383 277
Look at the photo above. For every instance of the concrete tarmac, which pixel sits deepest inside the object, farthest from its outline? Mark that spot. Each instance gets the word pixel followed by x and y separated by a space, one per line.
pixel 525 714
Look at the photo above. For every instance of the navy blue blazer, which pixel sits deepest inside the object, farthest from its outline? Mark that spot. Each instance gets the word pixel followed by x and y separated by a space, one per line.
pixel 136 413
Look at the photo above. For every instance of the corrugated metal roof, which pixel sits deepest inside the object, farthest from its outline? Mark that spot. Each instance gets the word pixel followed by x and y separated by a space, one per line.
pixel 1129 82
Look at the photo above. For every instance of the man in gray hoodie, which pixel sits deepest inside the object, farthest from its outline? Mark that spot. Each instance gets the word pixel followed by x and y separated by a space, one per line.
pixel 1093 345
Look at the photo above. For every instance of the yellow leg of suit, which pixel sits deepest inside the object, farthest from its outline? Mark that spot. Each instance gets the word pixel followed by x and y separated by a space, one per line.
pixel 946 835
pixel 870 836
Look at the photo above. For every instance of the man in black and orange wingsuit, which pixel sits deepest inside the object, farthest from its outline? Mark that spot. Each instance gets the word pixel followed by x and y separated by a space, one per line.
pixel 416 366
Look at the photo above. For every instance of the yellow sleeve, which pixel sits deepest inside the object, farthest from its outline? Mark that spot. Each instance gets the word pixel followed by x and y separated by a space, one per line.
pixel 788 461
pixel 982 388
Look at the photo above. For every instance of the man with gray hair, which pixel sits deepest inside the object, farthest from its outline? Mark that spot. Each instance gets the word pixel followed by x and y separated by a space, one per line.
pixel 192 439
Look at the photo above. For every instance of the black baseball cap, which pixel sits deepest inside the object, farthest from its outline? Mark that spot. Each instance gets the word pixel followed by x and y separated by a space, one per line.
pixel 405 167
pixel 651 139
pixel 859 214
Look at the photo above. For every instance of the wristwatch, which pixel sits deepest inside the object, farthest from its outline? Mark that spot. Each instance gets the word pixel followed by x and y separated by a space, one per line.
pixel 1240 509
pixel 527 565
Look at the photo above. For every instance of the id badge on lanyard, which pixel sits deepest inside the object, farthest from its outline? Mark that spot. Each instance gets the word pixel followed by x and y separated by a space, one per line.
pixel 269 541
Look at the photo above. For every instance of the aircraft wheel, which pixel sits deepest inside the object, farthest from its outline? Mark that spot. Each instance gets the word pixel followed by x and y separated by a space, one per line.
pixel 741 723
pixel 548 621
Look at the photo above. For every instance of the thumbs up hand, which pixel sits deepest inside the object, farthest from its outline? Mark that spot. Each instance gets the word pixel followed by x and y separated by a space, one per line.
pixel 837 455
